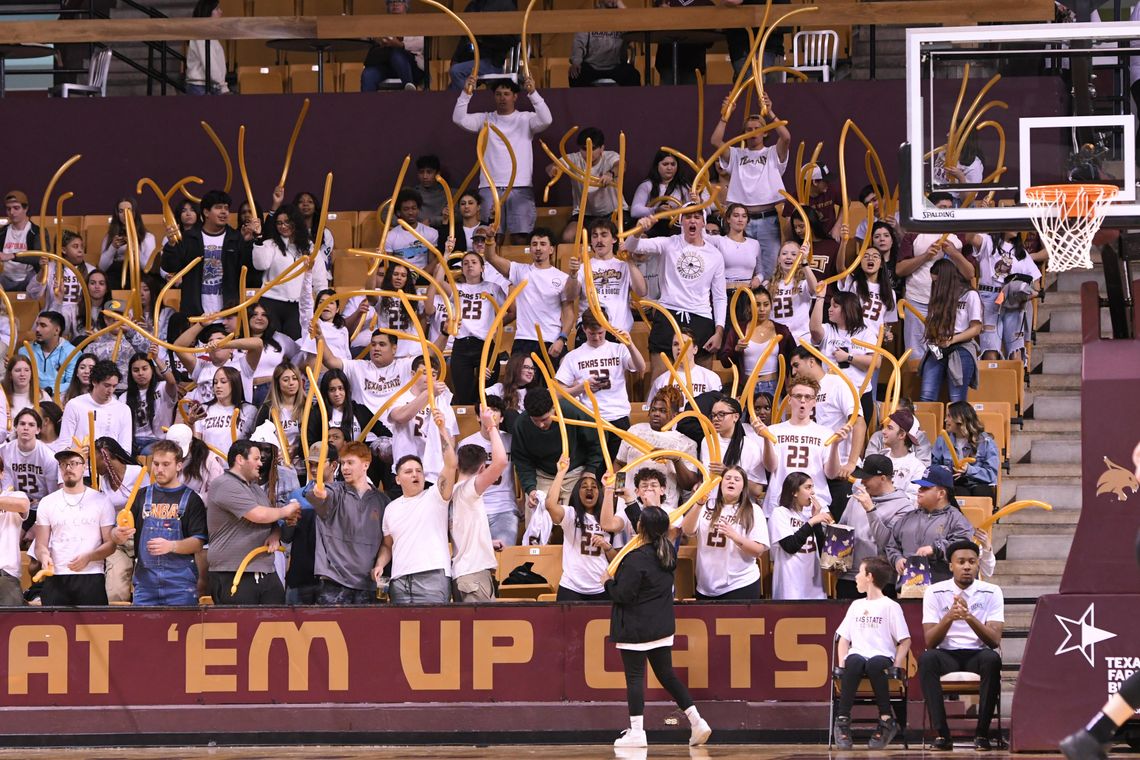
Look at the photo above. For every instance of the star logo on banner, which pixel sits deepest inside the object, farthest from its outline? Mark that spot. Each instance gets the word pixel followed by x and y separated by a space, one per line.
pixel 1082 635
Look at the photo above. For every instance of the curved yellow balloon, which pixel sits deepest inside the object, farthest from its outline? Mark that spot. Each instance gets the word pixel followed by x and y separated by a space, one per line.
pixel 387 404
pixel 245 563
pixel 1009 509
pixel 677 513
pixel 293 143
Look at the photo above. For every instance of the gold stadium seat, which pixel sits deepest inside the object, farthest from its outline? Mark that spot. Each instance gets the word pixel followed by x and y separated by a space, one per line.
pixel 467 418
pixel 976 508
pixel 322 7
pixel 367 229
pixel 94 230
pixel 25 310
pixel 554 218
pixel 350 77
pixel 342 225
pixel 546 561
pixel 274 8
pixel 303 77
pixel 253 53
pixel 261 80
pixel 350 271
pixel 1014 364
pixel 938 409
pixel 929 424
pixel 998 385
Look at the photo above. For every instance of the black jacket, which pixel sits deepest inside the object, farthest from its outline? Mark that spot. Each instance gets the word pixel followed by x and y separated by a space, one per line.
pixel 642 594
pixel 236 253
pixel 34 241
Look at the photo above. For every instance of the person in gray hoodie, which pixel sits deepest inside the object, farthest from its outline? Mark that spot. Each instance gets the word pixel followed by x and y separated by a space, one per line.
pixel 934 525
pixel 881 504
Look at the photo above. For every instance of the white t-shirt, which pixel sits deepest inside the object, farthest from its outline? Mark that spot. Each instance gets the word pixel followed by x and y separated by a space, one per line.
pixel 755 175
pixel 794 576
pixel 691 277
pixel 499 498
pixel 470 532
pixel 741 259
pixel 476 312
pixel 908 469
pixel 703 380
pixel 663 440
pixel 918 281
pixel 791 307
pixel 418 527
pixel 751 459
pixel 874 312
pixel 874 627
pixel 722 566
pixel 35 473
pixel 833 407
pixel 419 435
pixel 969 310
pixel 212 272
pixel 76 523
pixel 608 363
pixel 372 385
pixel 583 564
pixel 402 243
pixel 751 355
pixel 835 339
pixel 214 429
pixel 203 377
pixel 799 448
pixel 612 284
pixel 995 266
pixel 985 601
pixel 540 302
pixel 118 497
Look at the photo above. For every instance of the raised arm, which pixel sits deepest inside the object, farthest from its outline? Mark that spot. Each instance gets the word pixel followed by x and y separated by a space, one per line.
pixel 553 505
pixel 493 471
pixel 447 475
pixel 815 324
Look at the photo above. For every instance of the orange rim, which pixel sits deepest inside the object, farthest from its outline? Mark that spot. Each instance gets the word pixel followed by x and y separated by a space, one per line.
pixel 1077 199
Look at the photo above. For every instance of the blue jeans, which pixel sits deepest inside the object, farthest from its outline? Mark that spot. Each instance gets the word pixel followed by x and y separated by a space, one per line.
pixel 504 527
pixel 460 71
pixel 767 232
pixel 934 373
pixel 399 64
pixel 200 89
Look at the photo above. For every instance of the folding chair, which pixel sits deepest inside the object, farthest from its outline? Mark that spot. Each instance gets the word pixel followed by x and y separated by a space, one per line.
pixel 864 695
pixel 960 684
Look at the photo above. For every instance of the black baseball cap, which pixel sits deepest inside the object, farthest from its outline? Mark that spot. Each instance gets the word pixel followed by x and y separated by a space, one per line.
pixel 874 464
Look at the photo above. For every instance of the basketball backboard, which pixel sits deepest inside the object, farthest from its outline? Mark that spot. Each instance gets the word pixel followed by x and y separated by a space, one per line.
pixel 1046 72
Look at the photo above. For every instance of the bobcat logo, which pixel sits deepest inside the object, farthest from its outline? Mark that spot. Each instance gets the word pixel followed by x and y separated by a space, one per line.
pixel 1116 479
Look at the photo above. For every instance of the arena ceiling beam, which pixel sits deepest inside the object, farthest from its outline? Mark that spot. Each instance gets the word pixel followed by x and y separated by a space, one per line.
pixel 835 14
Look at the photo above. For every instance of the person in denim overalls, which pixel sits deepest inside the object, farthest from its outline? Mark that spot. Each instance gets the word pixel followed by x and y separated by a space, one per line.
pixel 171 520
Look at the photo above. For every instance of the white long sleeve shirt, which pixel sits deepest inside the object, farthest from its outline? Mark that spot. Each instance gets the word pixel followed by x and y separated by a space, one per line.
pixel 196 64
pixel 692 276
pixel 272 261
pixel 520 127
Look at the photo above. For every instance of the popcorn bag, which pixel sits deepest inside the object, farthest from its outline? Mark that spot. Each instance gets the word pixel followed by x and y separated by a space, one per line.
pixel 838 547
pixel 915 578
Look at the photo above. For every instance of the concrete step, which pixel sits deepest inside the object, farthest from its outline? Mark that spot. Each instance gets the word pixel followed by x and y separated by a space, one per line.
pixel 1042 427
pixel 1054 297
pixel 1057 381
pixel 1062 497
pixel 1012 650
pixel 1063 518
pixel 1021 568
pixel 1055 363
pixel 1069 320
pixel 1049 472
pixel 1049 340
pixel 1048 406
pixel 1072 280
pixel 1022 545
pixel 1052 450
pixel 1030 591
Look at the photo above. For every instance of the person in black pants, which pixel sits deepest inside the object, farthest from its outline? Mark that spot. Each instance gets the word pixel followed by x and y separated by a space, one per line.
pixel 642 626
pixel 962 619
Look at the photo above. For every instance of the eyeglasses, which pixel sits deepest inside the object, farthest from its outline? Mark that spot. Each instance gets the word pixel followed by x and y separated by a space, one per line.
pixel 802 396
pixel 73 463
pixel 873 256
pixel 287 223
pixel 721 415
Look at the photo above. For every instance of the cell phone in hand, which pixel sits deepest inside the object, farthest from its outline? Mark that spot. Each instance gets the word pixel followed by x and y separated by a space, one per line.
pixel 619 481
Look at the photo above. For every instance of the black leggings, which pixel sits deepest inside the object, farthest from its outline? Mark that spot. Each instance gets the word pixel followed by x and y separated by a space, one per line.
pixel 661 660
pixel 875 670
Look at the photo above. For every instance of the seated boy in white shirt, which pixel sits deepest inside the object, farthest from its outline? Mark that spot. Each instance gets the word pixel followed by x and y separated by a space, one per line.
pixel 873 644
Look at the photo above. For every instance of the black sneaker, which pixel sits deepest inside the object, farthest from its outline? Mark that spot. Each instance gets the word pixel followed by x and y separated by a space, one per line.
pixel 884 734
pixel 982 744
pixel 843 732
pixel 941 744
pixel 1083 746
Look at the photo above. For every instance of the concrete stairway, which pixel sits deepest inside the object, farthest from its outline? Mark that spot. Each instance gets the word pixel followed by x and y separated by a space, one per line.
pixel 1033 545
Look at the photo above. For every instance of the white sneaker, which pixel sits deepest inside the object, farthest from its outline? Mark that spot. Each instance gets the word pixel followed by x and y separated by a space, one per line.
pixel 632 737
pixel 409 86
pixel 701 733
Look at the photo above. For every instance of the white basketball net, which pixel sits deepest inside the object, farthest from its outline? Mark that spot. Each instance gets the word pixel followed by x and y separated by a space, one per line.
pixel 1067 235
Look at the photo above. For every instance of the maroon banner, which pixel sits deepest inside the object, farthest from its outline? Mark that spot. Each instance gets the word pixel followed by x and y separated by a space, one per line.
pixel 1083 647
pixel 492 653
pixel 362 138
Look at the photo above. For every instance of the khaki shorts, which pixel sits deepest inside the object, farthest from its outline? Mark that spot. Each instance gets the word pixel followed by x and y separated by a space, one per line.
pixel 474 587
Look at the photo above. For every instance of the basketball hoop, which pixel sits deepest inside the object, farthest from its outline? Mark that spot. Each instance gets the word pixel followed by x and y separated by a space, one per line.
pixel 1067 217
